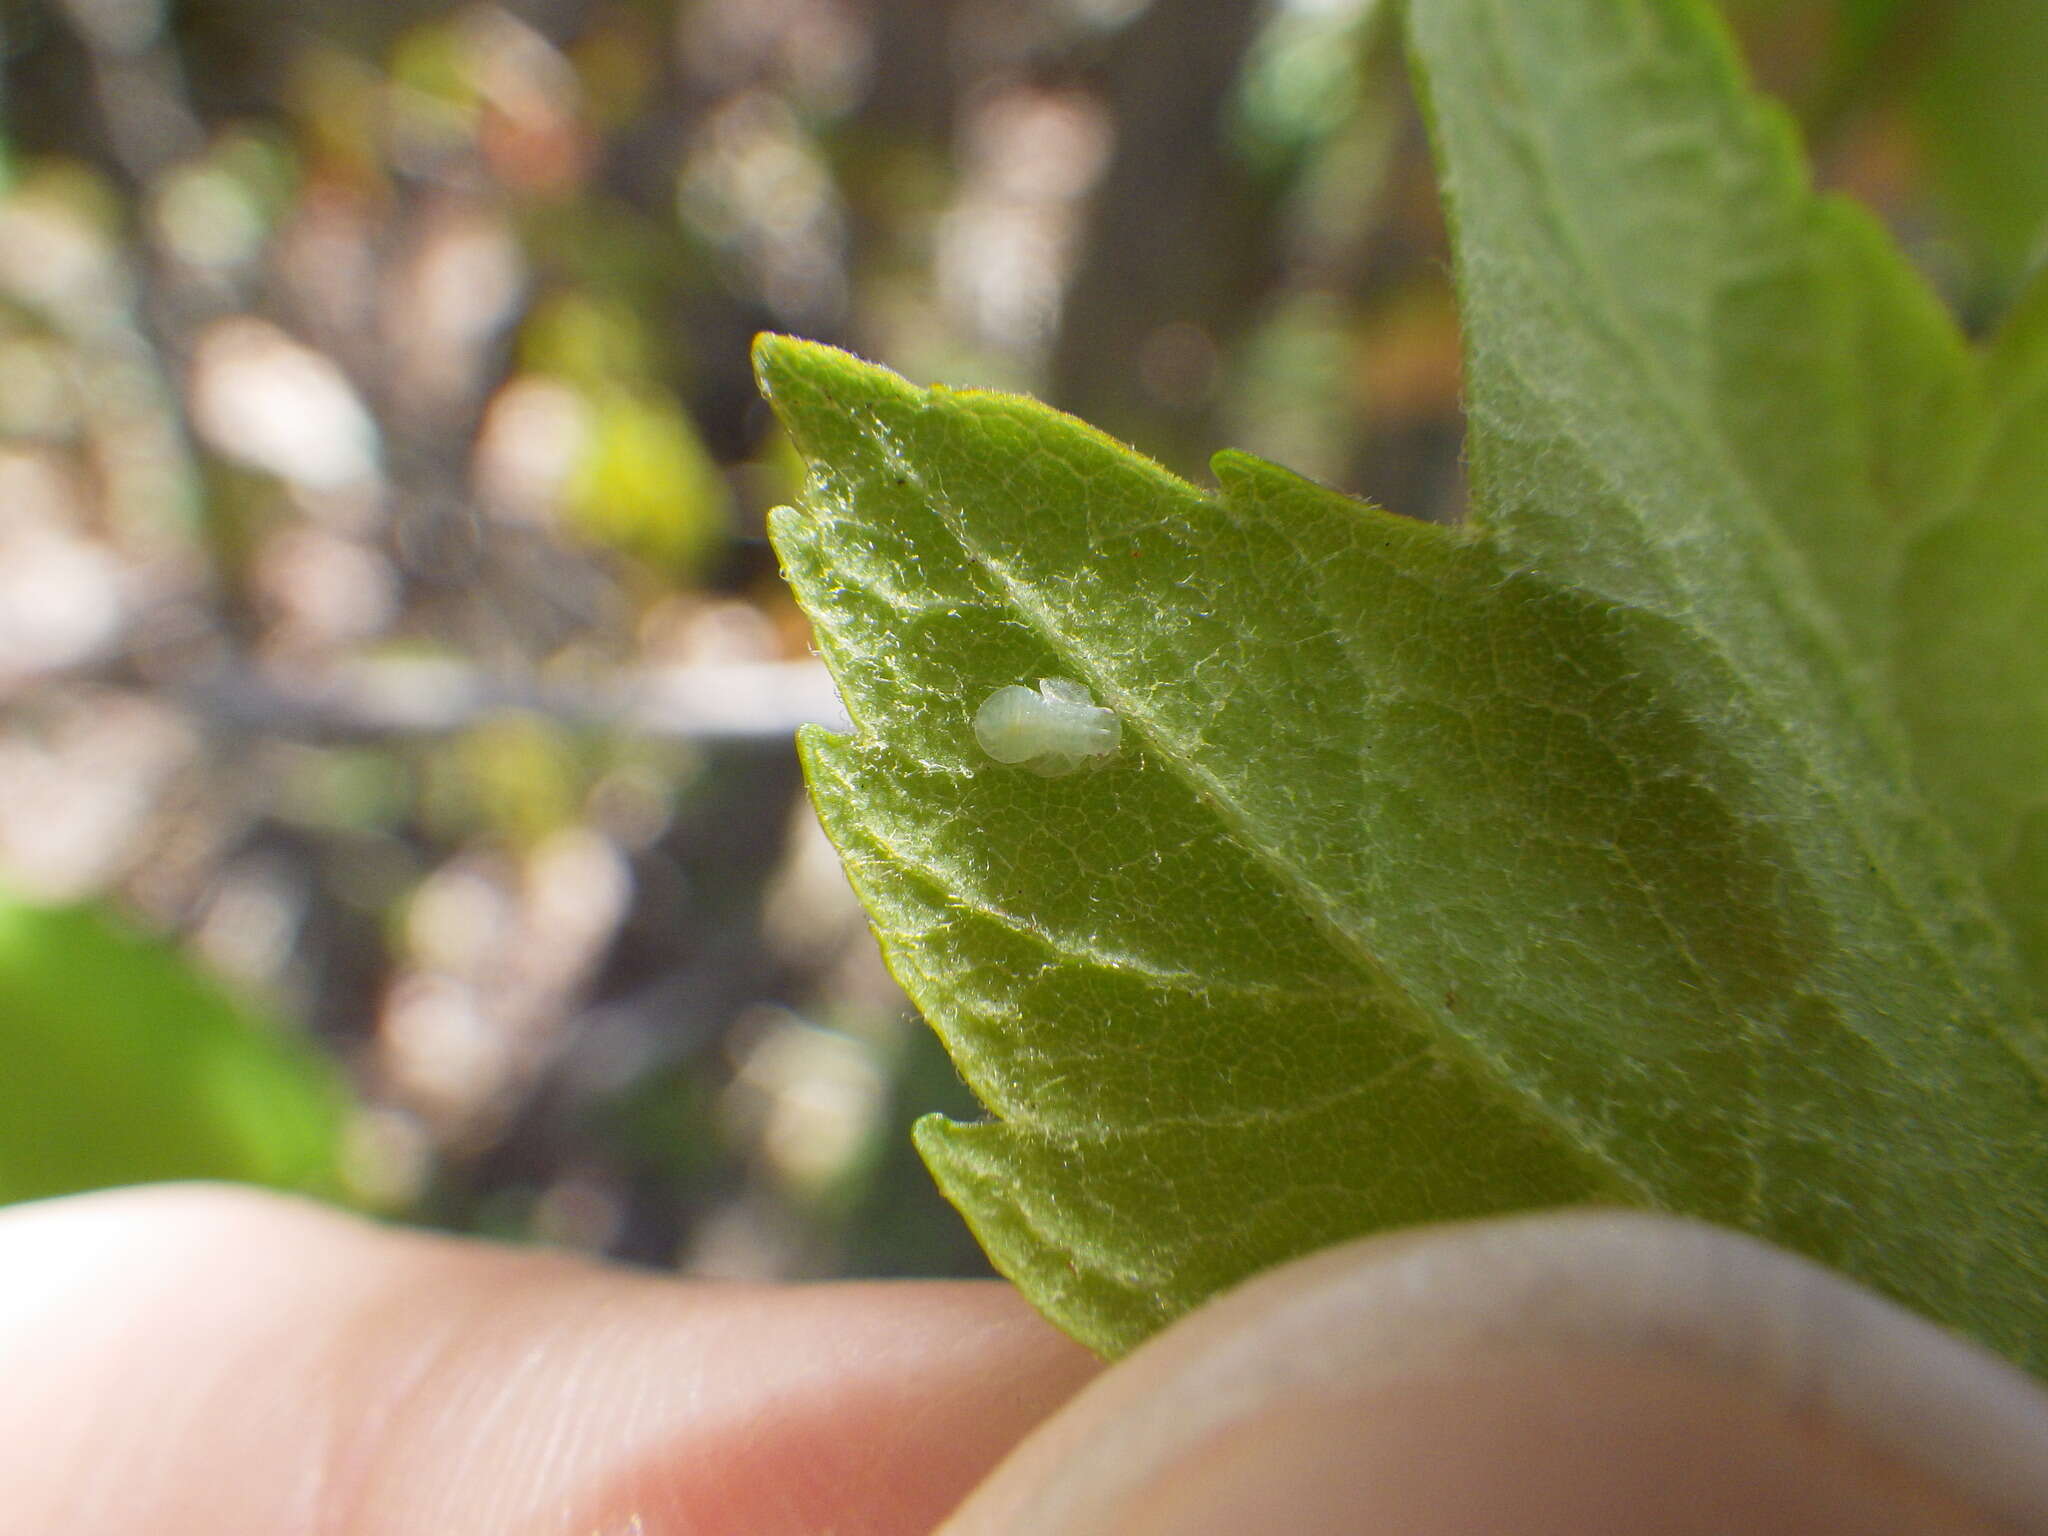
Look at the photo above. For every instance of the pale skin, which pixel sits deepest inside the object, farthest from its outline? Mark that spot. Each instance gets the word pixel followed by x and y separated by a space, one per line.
pixel 194 1360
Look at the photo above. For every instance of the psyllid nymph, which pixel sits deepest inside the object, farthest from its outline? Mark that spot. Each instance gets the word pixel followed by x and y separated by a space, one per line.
pixel 1052 731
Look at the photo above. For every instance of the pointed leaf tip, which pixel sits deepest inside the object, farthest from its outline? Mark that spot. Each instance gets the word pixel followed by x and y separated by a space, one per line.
pixel 775 358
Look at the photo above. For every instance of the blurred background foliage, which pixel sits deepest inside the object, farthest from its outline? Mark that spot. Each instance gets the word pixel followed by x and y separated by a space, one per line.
pixel 396 799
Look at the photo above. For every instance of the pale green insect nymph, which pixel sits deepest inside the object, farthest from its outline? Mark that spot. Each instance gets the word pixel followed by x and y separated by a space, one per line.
pixel 1051 732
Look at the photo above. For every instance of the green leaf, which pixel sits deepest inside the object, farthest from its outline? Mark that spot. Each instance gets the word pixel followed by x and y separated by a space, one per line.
pixel 1197 1069
pixel 1591 852
pixel 120 1064
pixel 1983 112
pixel 1973 613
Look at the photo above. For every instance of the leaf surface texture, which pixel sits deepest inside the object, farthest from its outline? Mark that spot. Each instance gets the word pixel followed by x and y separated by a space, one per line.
pixel 1661 838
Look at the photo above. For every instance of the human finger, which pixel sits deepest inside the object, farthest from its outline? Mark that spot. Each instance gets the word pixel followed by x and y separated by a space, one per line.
pixel 1597 1372
pixel 207 1360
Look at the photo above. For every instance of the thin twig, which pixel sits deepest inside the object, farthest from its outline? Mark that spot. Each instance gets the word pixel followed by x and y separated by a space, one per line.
pixel 761 702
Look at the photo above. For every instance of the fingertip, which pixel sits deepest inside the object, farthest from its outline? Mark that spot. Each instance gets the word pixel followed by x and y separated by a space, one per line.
pixel 1588 1371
